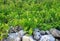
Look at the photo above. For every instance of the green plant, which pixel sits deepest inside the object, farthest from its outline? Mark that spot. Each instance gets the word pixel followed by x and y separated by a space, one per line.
pixel 30 14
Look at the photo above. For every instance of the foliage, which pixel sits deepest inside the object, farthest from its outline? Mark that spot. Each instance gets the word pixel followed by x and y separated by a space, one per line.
pixel 29 14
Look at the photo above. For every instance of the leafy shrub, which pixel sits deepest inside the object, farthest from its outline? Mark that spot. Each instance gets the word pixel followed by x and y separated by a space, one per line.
pixel 43 14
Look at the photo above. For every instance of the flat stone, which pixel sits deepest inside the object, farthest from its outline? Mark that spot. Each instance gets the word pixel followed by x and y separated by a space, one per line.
pixel 42 32
pixel 27 38
pixel 47 38
pixel 57 39
pixel 55 33
pixel 13 37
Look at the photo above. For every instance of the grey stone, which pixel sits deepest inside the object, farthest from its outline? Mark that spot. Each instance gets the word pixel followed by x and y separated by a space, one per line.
pixel 21 33
pixel 57 39
pixel 15 29
pixel 55 33
pixel 13 37
pixel 4 39
pixel 11 30
pixel 36 34
pixel 47 32
pixel 47 38
pixel 27 38
pixel 16 36
pixel 36 30
pixel 42 32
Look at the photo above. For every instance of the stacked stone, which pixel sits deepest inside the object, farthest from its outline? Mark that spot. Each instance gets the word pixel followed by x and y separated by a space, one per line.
pixel 55 33
pixel 18 34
